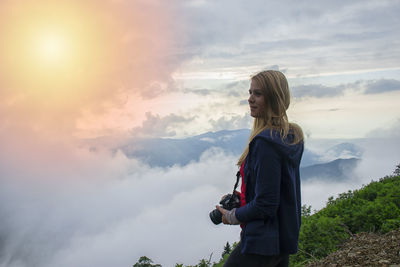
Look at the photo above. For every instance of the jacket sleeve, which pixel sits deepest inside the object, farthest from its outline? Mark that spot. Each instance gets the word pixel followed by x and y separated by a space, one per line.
pixel 267 180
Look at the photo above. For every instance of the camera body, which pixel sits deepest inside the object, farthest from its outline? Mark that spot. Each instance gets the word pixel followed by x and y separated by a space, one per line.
pixel 228 202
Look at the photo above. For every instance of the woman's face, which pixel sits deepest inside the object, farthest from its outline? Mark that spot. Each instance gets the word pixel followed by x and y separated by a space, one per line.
pixel 256 100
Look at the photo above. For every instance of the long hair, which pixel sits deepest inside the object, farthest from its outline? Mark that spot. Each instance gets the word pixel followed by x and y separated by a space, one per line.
pixel 275 89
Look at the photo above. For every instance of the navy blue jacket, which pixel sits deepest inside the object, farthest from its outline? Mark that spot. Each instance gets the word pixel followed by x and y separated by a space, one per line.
pixel 272 214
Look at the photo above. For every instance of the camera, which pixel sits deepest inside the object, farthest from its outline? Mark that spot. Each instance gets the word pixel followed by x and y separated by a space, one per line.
pixel 228 202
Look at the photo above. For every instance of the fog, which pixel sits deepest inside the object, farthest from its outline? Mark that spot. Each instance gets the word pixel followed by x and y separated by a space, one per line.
pixel 66 205
pixel 380 156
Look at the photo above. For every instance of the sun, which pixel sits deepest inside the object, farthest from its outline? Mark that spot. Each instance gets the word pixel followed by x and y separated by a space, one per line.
pixel 51 48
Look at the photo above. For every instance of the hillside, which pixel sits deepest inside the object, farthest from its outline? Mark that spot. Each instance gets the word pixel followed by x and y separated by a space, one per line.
pixel 373 208
pixel 365 249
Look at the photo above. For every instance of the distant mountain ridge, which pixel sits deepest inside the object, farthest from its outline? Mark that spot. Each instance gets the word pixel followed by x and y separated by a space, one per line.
pixel 167 152
pixel 336 163
pixel 337 170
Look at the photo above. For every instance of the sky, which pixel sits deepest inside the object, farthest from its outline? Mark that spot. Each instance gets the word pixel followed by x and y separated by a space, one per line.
pixel 76 70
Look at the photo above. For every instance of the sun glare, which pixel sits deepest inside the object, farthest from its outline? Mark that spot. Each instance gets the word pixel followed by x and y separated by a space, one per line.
pixel 51 48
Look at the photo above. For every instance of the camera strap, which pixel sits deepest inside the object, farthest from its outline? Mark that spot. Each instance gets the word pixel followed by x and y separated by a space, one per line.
pixel 237 181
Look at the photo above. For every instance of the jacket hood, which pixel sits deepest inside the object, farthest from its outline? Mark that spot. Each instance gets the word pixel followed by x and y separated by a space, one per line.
pixel 293 152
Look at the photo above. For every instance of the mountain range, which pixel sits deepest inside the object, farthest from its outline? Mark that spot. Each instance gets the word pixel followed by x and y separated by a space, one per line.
pixel 335 163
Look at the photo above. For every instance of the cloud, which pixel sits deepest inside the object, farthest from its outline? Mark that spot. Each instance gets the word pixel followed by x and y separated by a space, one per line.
pixel 316 90
pixel 125 61
pixel 381 153
pixel 361 86
pixel 237 89
pixel 232 123
pixel 157 88
pixel 382 86
pixel 244 102
pixel 65 205
pixel 69 206
pixel 231 36
pixel 219 38
pixel 315 193
pixel 229 89
pixel 156 126
pixel 391 131
pixel 379 159
pixel 378 154
pixel 202 92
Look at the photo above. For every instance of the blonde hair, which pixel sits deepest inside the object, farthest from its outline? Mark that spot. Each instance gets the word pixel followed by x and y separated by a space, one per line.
pixel 275 89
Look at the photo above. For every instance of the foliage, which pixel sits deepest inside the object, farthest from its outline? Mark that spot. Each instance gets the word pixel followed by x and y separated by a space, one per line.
pixel 369 208
pixel 227 249
pixel 375 207
pixel 225 256
pixel 305 211
pixel 145 262
pixel 397 170
pixel 319 236
pixel 221 262
pixel 202 263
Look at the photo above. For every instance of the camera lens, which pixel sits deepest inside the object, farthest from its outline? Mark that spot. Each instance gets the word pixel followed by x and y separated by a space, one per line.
pixel 216 216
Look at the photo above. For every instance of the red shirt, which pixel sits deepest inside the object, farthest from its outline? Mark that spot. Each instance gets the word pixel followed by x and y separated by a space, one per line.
pixel 242 190
pixel 243 187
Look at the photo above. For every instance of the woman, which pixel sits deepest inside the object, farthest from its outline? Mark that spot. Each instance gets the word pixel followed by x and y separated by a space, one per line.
pixel 271 207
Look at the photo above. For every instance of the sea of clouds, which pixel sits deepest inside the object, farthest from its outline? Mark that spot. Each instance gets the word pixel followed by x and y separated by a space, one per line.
pixel 63 204
pixel 67 206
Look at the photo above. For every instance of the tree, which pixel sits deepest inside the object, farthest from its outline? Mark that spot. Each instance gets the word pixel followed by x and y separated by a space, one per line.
pixel 305 211
pixel 227 249
pixel 203 263
pixel 397 170
pixel 145 262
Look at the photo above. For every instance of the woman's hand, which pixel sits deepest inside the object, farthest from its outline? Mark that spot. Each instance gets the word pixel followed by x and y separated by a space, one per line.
pixel 228 216
pixel 224 212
